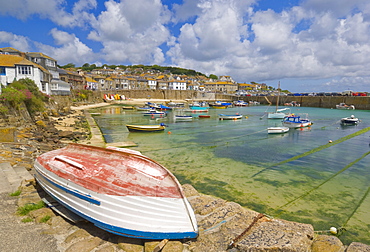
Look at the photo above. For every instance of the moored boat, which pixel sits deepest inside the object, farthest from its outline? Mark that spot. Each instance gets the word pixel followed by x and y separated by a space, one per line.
pixel 183 118
pixel 296 121
pixel 154 112
pixel 240 103
pixel 146 128
pixel 277 130
pixel 352 120
pixel 279 113
pixel 229 117
pixel 122 192
pixel 342 105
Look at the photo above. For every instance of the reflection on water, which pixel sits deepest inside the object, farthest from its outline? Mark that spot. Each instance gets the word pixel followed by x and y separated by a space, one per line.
pixel 239 161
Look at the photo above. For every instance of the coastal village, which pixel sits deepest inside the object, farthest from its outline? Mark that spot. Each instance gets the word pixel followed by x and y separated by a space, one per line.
pixel 223 225
pixel 52 80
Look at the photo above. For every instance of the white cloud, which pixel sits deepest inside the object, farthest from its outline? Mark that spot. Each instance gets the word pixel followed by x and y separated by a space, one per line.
pixel 18 42
pixel 132 30
pixel 71 49
pixel 49 9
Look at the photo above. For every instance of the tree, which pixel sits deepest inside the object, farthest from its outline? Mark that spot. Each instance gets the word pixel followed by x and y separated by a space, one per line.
pixel 214 77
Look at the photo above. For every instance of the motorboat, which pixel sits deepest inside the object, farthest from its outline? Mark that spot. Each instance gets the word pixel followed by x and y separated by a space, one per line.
pixel 146 128
pixel 118 190
pixel 240 103
pixel 154 112
pixel 342 105
pixel 352 120
pixel 296 121
pixel 183 118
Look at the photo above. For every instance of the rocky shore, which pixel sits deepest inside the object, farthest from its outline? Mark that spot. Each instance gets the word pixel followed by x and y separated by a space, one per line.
pixel 223 225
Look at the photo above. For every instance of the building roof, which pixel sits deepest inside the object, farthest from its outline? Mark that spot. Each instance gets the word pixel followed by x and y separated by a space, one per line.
pixel 39 55
pixel 9 50
pixel 13 60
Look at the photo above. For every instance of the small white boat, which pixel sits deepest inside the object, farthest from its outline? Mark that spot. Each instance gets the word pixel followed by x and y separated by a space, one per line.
pixel 352 120
pixel 277 130
pixel 295 121
pixel 183 118
pixel 154 112
pixel 279 113
pixel 229 117
pixel 342 105
pixel 240 103
pixel 118 190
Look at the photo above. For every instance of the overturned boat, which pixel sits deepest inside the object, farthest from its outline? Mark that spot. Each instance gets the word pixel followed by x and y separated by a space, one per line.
pixel 118 190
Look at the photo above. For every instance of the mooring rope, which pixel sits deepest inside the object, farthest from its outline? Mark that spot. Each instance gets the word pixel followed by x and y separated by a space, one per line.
pixel 322 147
pixel 336 174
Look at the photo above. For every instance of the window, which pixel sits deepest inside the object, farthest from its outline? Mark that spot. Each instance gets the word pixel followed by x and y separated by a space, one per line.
pixel 2 70
pixel 26 70
pixel 50 63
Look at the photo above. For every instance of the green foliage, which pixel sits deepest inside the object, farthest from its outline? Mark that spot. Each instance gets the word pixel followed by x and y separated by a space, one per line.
pixel 69 65
pixel 13 97
pixel 24 210
pixel 45 218
pixel 16 193
pixel 81 95
pixel 27 219
pixel 3 109
pixel 214 77
pixel 23 91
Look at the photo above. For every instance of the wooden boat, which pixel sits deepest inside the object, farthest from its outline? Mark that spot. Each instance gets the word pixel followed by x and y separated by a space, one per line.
pixel 220 105
pixel 229 117
pixel 342 105
pixel 295 121
pixel 120 191
pixel 352 120
pixel 277 130
pixel 146 128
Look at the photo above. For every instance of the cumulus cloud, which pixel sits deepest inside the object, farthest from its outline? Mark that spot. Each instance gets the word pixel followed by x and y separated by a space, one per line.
pixel 18 42
pixel 132 31
pixel 312 40
pixel 49 9
pixel 70 50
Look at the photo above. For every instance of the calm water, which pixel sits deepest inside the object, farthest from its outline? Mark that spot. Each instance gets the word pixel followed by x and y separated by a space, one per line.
pixel 240 162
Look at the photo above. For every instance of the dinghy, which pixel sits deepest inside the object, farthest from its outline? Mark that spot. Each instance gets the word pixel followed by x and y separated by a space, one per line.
pixel 118 190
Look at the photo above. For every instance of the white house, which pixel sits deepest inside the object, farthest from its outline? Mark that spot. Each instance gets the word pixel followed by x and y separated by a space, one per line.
pixel 177 85
pixel 14 67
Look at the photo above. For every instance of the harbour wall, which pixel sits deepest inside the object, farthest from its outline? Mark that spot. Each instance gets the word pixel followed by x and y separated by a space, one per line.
pixel 360 102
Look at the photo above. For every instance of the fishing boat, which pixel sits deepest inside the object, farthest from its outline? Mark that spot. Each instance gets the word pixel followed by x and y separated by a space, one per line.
pixel 199 106
pixel 278 113
pixel 154 112
pixel 277 130
pixel 183 118
pixel 352 120
pixel 229 117
pixel 295 121
pixel 342 105
pixel 146 128
pixel 220 105
pixel 120 191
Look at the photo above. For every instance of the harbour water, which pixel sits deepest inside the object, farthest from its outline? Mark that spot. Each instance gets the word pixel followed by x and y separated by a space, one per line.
pixel 318 175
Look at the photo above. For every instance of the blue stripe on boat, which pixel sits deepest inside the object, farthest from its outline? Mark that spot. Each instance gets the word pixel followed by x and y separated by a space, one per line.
pixel 122 231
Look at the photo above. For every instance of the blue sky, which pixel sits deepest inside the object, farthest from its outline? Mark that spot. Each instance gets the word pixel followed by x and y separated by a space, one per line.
pixel 307 45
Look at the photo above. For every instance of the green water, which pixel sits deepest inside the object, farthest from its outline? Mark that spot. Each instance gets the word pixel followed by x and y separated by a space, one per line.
pixel 238 161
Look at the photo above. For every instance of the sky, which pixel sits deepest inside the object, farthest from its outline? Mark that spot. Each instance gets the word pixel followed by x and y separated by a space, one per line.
pixel 306 45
